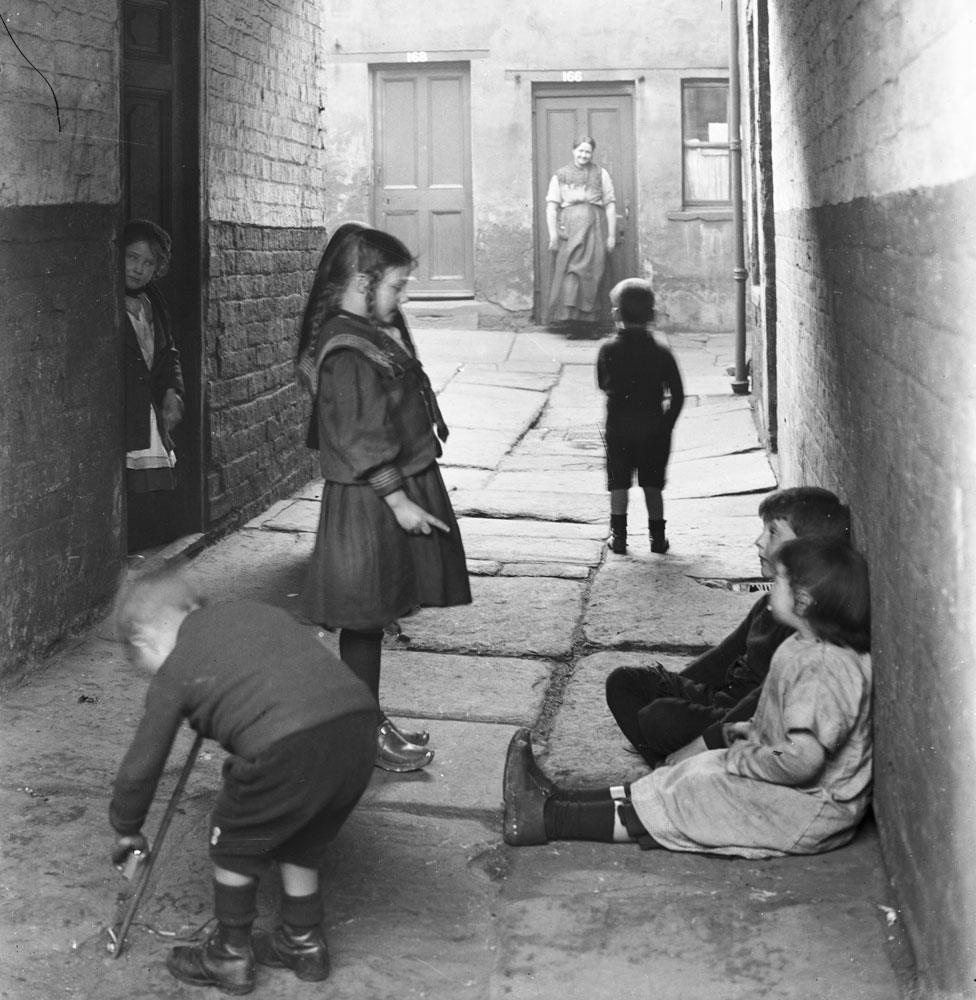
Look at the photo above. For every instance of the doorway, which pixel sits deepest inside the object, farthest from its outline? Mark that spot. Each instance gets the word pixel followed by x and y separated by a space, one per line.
pixel 561 113
pixel 161 181
pixel 422 172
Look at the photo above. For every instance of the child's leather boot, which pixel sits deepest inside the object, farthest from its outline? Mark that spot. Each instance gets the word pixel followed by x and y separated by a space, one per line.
pixel 304 951
pixel 524 790
pixel 224 960
pixel 618 533
pixel 659 542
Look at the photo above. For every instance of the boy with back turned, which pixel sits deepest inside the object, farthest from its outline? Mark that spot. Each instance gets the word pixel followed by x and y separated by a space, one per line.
pixel 644 398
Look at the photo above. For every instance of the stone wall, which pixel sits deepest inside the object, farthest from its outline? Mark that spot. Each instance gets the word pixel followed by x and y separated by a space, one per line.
pixel 60 370
pixel 875 238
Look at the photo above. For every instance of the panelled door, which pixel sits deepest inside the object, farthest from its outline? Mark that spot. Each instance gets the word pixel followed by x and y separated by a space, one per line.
pixel 561 113
pixel 422 171
pixel 161 181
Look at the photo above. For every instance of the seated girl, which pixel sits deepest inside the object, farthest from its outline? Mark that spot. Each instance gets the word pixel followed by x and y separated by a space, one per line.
pixel 795 779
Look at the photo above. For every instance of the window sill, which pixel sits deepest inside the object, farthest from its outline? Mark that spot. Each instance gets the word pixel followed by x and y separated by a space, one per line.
pixel 705 214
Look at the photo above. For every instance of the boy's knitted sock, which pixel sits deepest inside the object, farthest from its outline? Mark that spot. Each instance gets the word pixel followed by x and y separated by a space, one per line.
pixel 235 907
pixel 301 913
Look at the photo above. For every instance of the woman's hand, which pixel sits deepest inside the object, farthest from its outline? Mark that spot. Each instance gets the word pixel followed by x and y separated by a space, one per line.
pixel 411 517
pixel 553 244
pixel 611 243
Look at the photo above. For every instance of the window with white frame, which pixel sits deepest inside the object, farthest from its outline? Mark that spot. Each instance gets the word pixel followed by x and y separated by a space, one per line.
pixel 705 138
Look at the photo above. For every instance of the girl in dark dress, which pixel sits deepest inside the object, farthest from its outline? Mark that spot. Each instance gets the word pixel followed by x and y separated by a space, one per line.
pixel 388 541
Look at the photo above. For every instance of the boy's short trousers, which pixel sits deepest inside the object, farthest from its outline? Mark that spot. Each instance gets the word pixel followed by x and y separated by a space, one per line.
pixel 646 455
pixel 290 802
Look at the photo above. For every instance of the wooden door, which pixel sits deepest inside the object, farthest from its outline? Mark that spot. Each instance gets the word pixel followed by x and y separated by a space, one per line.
pixel 161 181
pixel 561 113
pixel 422 172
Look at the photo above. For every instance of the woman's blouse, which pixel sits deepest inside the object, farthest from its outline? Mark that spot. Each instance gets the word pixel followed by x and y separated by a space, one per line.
pixel 572 185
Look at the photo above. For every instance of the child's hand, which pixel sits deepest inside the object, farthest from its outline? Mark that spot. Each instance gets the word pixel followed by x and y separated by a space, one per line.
pixel 411 517
pixel 172 411
pixel 124 846
pixel 733 732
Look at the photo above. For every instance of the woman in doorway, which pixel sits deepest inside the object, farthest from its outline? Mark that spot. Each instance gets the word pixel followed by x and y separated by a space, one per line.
pixel 153 389
pixel 581 217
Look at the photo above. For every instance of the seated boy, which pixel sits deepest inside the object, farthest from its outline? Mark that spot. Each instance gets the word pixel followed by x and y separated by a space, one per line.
pixel 669 715
pixel 300 729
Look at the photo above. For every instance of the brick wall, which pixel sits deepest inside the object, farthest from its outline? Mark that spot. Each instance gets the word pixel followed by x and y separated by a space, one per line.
pixel 257 419
pixel 267 156
pixel 268 188
pixel 875 222
pixel 60 385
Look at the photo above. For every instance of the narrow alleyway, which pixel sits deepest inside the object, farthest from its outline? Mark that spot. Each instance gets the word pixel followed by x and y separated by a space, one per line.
pixel 423 898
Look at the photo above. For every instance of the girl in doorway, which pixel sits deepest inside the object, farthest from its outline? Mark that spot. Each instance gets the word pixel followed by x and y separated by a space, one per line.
pixel 153 388
pixel 387 541
pixel 795 779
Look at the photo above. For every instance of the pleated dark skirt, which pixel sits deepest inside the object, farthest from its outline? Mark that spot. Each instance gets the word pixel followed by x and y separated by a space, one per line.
pixel 366 571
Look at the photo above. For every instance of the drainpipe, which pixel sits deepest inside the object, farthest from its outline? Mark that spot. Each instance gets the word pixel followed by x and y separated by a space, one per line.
pixel 740 381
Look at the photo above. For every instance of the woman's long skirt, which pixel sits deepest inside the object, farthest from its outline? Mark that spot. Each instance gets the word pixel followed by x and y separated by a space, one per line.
pixel 578 266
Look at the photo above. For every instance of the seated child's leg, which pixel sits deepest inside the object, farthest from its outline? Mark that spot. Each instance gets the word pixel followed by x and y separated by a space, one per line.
pixel 537 811
pixel 629 690
pixel 669 724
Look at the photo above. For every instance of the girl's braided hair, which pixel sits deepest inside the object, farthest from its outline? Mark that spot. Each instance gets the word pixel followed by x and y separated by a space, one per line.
pixel 353 249
pixel 836 578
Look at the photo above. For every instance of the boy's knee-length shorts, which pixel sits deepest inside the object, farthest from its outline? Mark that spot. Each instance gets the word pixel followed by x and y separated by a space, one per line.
pixel 291 801
pixel 644 453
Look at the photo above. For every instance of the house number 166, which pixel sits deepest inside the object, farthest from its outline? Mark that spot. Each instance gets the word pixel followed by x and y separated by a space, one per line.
pixel 572 76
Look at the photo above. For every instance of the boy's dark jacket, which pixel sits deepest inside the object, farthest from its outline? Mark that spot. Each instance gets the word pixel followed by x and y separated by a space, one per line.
pixel 144 385
pixel 637 374
pixel 243 673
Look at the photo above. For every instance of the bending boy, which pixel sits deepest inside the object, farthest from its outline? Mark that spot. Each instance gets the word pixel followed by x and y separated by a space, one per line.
pixel 669 715
pixel 300 730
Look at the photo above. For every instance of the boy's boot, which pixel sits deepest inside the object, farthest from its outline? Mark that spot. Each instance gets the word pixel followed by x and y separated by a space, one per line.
pixel 298 943
pixel 659 543
pixel 618 533
pixel 224 960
